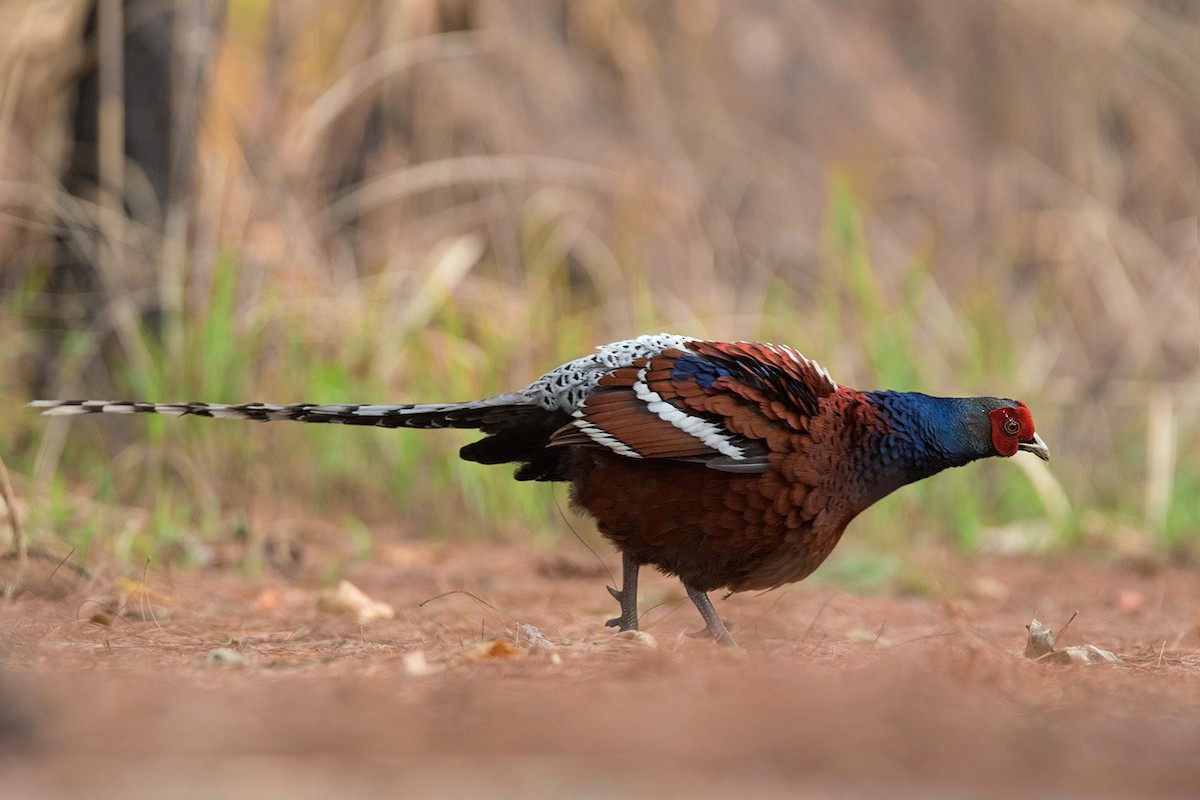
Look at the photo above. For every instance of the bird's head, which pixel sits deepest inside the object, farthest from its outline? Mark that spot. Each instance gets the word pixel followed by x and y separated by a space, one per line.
pixel 1012 430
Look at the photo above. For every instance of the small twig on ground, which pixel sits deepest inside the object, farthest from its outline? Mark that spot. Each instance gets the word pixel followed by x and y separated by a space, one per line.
pixel 14 518
pixel 18 537
pixel 1067 624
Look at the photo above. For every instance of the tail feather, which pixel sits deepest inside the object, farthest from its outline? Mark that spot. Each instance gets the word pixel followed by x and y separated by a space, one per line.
pixel 473 414
pixel 518 427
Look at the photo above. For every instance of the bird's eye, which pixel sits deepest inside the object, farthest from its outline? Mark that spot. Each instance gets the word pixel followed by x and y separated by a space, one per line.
pixel 1012 427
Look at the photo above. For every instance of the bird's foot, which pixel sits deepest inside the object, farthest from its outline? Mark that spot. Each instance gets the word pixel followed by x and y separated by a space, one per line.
pixel 628 620
pixel 714 628
pixel 720 635
pixel 626 596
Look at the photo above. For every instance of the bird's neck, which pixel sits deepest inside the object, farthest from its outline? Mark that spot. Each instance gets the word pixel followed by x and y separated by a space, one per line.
pixel 910 436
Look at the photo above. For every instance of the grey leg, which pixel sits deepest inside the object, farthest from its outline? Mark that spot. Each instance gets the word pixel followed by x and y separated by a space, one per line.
pixel 713 627
pixel 627 596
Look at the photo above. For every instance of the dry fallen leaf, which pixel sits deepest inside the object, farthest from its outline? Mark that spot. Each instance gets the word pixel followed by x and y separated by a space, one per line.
pixel 1039 646
pixel 489 650
pixel 346 598
pixel 500 648
pixel 534 637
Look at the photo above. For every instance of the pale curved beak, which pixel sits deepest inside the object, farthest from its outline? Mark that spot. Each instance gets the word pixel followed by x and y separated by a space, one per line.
pixel 1037 447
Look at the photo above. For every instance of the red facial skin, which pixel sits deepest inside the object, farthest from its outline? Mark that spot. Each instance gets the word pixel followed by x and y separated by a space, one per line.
pixel 1010 427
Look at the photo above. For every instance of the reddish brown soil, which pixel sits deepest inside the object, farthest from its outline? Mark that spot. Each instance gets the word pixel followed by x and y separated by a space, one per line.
pixel 836 695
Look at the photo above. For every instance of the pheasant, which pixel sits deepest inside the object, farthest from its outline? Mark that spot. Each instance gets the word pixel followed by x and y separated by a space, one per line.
pixel 734 465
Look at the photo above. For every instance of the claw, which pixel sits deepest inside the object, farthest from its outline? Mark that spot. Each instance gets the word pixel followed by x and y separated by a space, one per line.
pixel 617 622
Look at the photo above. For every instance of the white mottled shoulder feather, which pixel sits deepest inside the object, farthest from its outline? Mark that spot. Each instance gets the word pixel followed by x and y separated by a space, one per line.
pixel 566 387
pixel 623 428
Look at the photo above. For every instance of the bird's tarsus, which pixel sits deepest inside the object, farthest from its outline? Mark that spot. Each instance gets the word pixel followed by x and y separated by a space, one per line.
pixel 714 628
pixel 626 596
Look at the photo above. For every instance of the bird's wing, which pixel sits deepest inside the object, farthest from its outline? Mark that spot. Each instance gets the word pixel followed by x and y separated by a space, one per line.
pixel 726 405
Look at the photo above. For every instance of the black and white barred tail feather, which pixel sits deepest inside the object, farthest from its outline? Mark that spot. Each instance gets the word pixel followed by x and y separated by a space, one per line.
pixel 518 428
pixel 474 414
pixel 558 392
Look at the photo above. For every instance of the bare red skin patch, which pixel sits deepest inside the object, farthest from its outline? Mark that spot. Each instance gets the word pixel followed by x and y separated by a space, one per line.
pixel 1004 440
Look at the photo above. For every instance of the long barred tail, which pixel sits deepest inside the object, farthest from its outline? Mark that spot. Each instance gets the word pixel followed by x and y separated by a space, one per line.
pixel 474 414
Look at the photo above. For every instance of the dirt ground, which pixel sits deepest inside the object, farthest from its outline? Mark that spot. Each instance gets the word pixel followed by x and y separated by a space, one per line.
pixel 497 678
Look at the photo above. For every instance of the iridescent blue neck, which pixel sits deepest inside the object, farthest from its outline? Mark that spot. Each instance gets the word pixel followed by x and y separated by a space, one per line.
pixel 917 436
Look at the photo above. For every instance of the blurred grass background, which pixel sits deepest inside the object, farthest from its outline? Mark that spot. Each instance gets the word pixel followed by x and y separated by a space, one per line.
pixel 441 199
